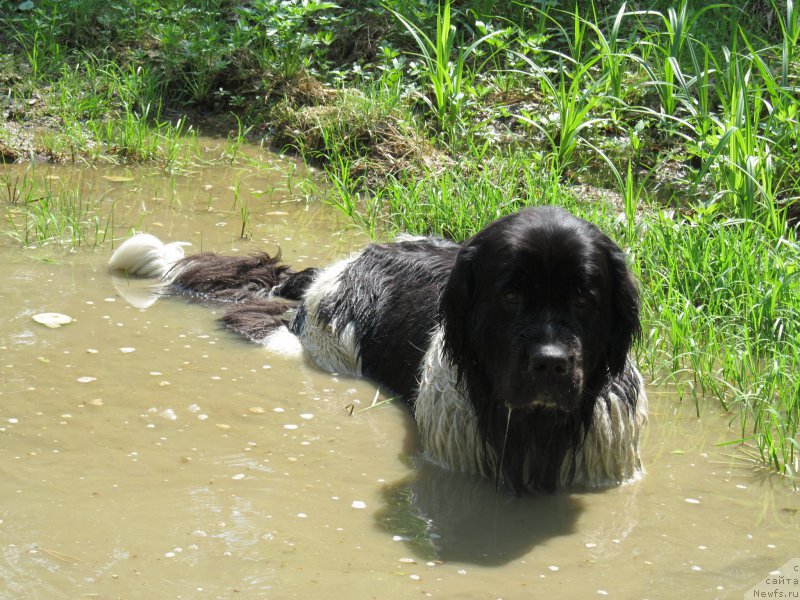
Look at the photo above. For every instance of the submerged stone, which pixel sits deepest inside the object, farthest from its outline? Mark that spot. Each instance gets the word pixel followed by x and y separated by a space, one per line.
pixel 52 320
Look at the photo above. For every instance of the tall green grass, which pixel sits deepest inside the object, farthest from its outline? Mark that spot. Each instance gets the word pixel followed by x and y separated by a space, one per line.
pixel 445 59
pixel 41 211
pixel 723 304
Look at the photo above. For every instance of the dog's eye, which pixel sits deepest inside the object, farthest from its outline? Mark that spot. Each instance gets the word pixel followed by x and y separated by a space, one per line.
pixel 512 297
pixel 581 301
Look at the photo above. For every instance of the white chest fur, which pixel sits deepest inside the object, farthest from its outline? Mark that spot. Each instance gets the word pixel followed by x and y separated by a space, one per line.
pixel 449 433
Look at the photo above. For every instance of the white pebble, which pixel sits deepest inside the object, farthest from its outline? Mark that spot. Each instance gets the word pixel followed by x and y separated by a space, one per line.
pixel 127 350
pixel 692 500
pixel 359 504
pixel 553 568
pixel 238 476
pixel 290 426
pixel 86 379
pixel 52 320
pixel 306 416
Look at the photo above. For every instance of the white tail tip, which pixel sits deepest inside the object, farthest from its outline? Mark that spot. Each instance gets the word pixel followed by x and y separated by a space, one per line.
pixel 144 255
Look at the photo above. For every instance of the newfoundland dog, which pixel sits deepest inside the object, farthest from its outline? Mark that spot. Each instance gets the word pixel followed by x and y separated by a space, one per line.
pixel 511 349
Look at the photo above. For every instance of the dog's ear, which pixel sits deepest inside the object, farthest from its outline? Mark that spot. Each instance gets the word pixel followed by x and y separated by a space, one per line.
pixel 456 304
pixel 625 308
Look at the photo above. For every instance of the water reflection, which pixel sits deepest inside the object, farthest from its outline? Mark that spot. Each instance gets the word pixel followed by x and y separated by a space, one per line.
pixel 139 293
pixel 451 517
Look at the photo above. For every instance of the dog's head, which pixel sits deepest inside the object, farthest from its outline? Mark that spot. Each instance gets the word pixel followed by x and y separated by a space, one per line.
pixel 539 312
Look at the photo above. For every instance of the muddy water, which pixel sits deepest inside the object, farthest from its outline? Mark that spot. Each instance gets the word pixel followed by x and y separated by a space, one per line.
pixel 146 453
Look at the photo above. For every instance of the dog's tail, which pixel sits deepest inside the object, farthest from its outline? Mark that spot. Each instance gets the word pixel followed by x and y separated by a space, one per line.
pixel 259 290
pixel 145 255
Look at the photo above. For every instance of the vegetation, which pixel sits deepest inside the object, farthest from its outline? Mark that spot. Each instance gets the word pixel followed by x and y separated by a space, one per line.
pixel 675 128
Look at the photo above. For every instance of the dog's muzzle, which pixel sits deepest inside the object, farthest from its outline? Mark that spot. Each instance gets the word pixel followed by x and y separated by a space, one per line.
pixel 552 379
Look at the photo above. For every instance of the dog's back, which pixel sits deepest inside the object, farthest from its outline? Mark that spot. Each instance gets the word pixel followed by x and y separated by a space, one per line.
pixel 373 314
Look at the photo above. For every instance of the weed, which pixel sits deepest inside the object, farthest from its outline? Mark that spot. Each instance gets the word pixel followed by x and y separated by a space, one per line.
pixel 447 76
pixel 40 211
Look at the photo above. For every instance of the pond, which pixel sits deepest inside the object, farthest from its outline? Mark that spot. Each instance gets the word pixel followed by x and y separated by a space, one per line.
pixel 146 452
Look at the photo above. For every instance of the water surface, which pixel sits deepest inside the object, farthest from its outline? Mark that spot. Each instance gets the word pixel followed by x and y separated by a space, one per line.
pixel 148 453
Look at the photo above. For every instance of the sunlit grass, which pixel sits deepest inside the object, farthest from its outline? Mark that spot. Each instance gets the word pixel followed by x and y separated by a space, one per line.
pixel 723 301
pixel 445 58
pixel 40 211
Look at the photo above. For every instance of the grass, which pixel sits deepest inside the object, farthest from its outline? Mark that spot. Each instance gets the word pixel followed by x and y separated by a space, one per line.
pixel 445 58
pixel 443 117
pixel 40 211
pixel 723 314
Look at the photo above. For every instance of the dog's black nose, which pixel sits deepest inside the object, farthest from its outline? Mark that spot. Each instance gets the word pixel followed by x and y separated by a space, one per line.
pixel 549 359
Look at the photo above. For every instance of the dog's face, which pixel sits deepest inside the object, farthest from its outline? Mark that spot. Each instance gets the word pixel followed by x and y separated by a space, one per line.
pixel 539 311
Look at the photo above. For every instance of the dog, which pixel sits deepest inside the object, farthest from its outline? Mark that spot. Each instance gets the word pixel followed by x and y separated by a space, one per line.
pixel 511 349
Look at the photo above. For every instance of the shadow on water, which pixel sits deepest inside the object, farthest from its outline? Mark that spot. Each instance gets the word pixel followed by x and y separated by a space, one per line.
pixel 452 517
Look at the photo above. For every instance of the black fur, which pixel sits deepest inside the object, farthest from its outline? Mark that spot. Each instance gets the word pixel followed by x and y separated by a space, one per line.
pixel 538 279
pixel 391 295
pixel 217 278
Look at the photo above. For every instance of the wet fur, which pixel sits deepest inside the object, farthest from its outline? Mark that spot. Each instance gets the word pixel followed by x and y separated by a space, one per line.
pixel 458 332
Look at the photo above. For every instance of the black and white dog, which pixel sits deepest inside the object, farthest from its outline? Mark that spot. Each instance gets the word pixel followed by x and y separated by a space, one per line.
pixel 510 349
